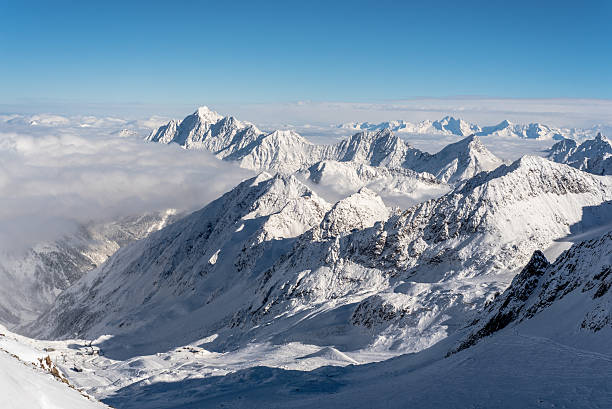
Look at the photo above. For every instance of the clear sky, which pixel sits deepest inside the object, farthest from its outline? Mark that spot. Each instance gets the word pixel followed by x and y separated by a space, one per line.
pixel 183 52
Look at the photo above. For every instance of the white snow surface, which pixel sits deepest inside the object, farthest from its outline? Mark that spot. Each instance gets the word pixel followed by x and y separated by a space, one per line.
pixel 26 382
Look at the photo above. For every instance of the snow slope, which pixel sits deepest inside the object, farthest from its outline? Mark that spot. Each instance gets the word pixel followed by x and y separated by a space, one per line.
pixel 31 380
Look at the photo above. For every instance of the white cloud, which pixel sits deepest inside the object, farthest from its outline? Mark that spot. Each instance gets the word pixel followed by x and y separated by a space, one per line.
pixel 48 183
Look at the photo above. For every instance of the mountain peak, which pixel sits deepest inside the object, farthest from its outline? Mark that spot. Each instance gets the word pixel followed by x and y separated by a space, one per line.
pixel 207 114
pixel 358 211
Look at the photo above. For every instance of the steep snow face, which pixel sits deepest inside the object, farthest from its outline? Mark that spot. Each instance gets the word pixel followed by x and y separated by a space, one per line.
pixel 30 282
pixel 574 290
pixel 25 386
pixel 357 212
pixel 284 151
pixel 382 148
pixel 460 161
pixel 593 155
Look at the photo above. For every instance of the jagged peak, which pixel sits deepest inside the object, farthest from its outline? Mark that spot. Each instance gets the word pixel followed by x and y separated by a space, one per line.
pixel 602 139
pixel 466 144
pixel 207 114
pixel 538 261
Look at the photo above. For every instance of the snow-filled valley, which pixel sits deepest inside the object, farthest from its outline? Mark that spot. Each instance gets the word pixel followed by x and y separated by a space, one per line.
pixel 364 272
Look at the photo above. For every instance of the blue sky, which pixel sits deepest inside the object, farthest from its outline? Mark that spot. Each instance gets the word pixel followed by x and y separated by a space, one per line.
pixel 184 52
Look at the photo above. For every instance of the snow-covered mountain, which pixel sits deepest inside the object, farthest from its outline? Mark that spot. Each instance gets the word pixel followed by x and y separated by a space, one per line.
pixel 31 281
pixel 593 155
pixel 272 260
pixel 446 125
pixel 287 151
pixel 207 260
pixel 206 129
pixel 455 126
pixel 460 160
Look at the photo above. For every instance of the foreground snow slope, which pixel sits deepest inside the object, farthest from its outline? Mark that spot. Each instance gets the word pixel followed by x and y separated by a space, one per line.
pixel 576 286
pixel 513 371
pixel 24 385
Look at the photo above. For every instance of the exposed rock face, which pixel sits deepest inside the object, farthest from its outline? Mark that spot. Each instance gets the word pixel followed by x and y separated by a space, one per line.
pixel 584 273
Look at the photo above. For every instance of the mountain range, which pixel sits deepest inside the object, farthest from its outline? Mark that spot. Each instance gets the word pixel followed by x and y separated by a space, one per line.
pixel 455 126
pixel 478 275
pixel 593 155
pixel 287 151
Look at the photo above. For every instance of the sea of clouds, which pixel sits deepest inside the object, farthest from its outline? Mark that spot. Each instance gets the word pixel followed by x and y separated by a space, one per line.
pixel 53 179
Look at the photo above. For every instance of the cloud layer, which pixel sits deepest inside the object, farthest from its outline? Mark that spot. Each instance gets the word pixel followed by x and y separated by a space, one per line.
pixel 49 183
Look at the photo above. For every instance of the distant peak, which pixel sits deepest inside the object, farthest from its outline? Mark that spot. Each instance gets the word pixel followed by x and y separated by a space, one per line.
pixel 207 114
pixel 204 110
